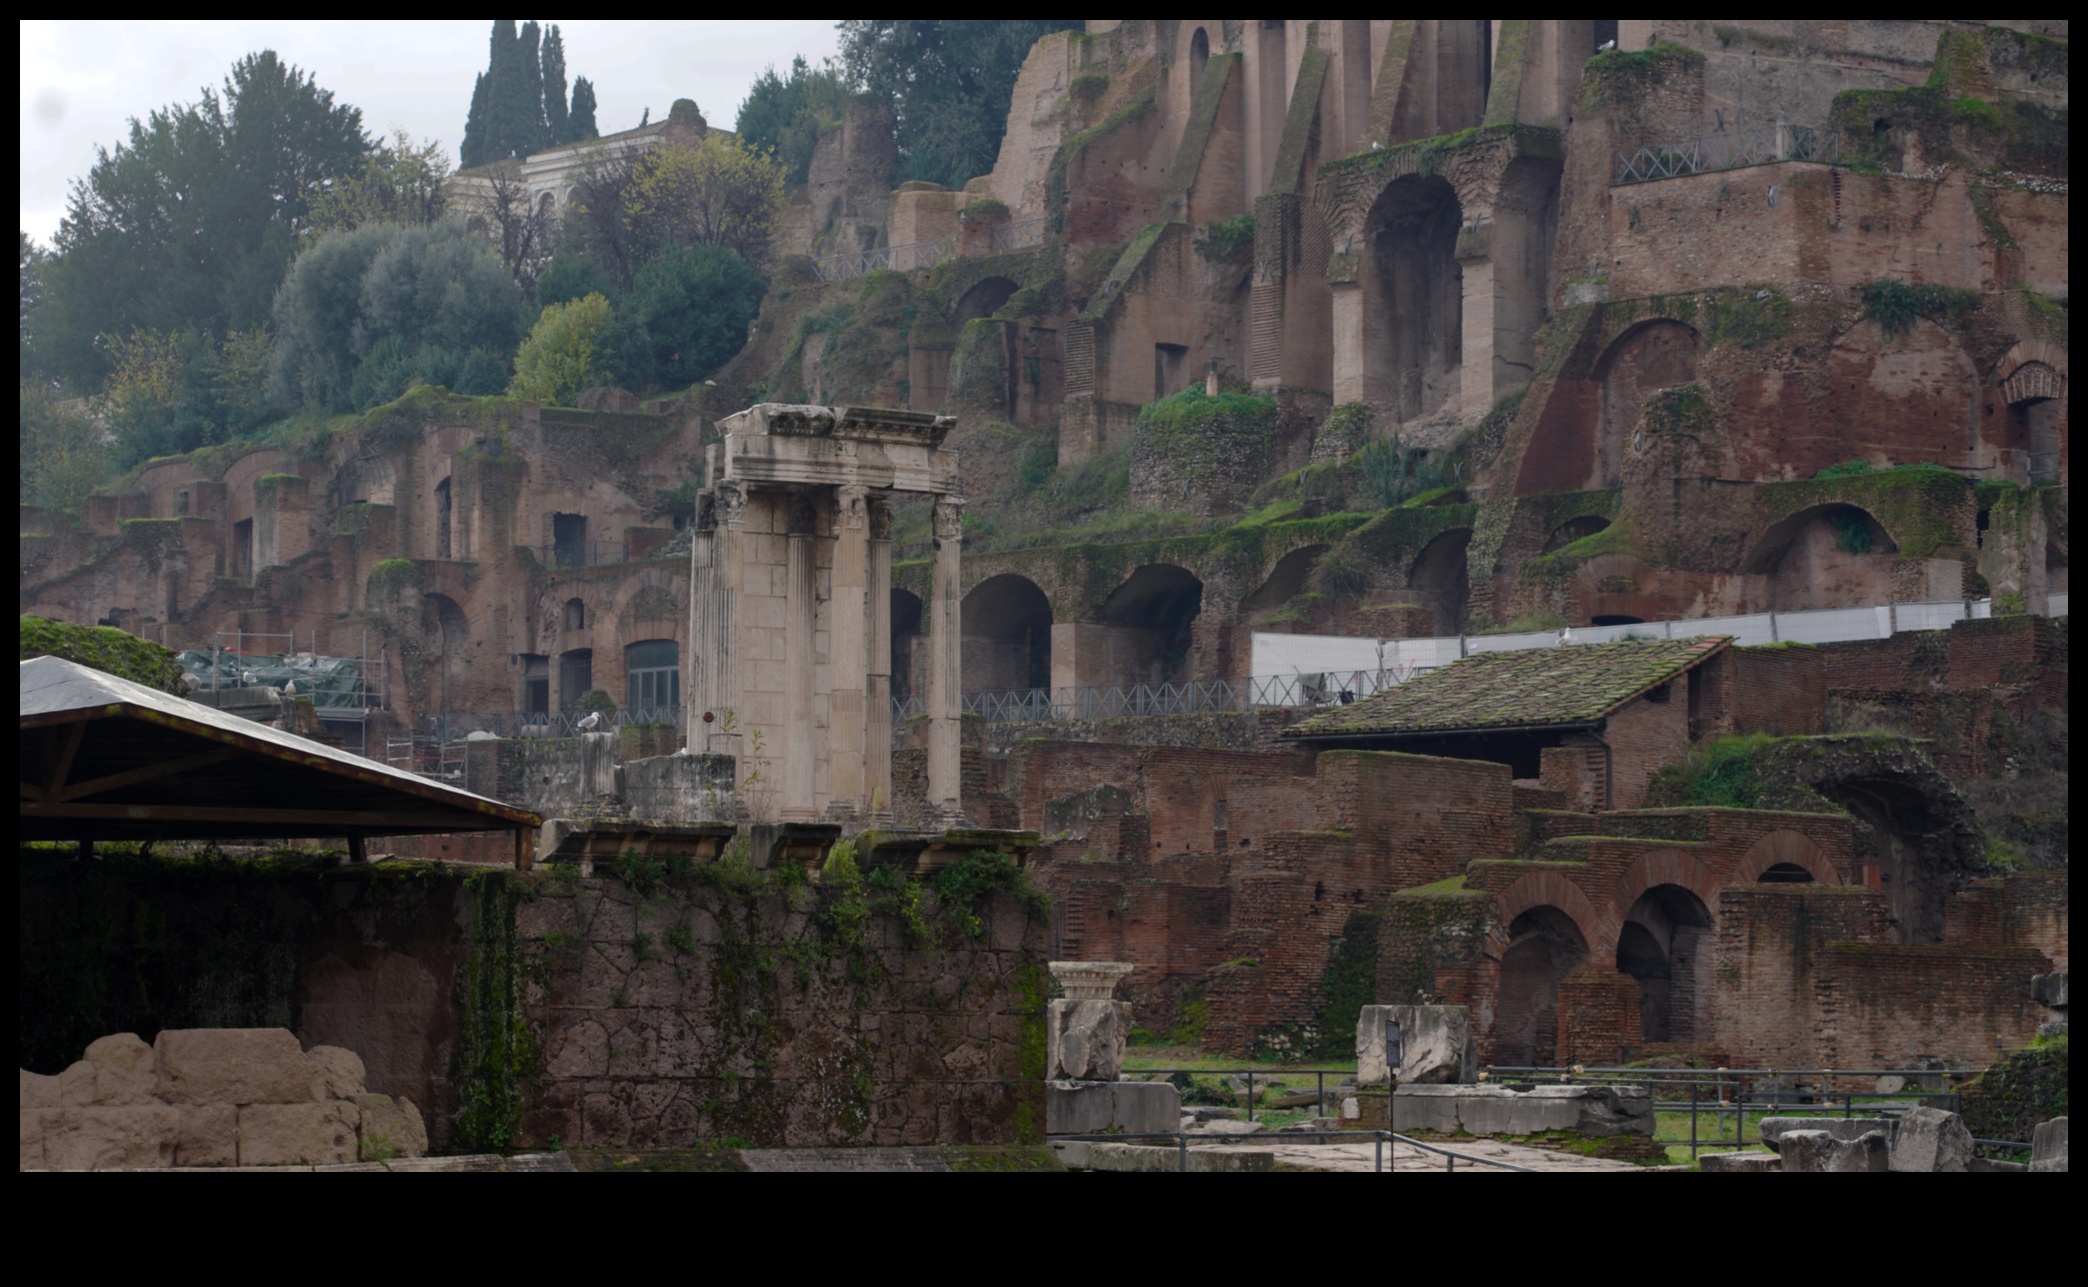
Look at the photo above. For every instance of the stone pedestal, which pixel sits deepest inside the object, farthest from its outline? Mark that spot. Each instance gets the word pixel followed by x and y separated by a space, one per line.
pixel 1436 1039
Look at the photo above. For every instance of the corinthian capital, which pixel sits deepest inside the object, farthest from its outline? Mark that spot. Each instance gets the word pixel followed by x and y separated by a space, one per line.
pixel 949 518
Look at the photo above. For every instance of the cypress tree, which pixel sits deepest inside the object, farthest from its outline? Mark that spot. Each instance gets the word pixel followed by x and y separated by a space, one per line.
pixel 529 102
pixel 473 150
pixel 581 124
pixel 555 116
pixel 502 88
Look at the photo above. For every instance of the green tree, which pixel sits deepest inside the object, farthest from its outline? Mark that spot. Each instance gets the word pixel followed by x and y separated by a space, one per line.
pixel 567 351
pixel 572 275
pixel 439 287
pixel 950 82
pixel 784 117
pixel 715 192
pixel 472 151
pixel 193 220
pixel 692 305
pixel 557 116
pixel 580 122
pixel 399 183
pixel 64 456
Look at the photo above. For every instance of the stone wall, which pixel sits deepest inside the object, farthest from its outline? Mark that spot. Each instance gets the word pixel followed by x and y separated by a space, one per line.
pixel 721 1001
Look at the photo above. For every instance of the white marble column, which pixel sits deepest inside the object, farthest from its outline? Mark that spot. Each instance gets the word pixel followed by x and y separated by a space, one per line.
pixel 849 655
pixel 714 576
pixel 877 686
pixel 945 642
pixel 799 803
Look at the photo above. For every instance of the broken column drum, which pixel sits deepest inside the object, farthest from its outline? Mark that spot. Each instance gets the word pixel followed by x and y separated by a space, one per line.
pixel 791 572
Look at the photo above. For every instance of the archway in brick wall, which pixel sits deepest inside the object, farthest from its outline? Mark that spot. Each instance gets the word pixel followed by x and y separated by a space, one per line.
pixel 1828 556
pixel 1151 619
pixel 983 300
pixel 445 652
pixel 1439 582
pixel 1007 636
pixel 1413 305
pixel 1655 355
pixel 1544 946
pixel 1284 581
pixel 1665 946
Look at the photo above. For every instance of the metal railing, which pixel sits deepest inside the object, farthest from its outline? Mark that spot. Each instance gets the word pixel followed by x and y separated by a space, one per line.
pixel 1189 697
pixel 919 254
pixel 1017 234
pixel 1383 1139
pixel 455 725
pixel 1738 1093
pixel 573 555
pixel 1765 146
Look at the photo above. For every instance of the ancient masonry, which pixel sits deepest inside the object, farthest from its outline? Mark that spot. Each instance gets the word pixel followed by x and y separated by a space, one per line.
pixel 1512 324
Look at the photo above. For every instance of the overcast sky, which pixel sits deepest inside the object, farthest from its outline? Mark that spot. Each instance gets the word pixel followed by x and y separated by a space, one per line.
pixel 82 82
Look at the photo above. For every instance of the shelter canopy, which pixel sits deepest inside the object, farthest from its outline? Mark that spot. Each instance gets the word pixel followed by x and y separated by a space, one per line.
pixel 106 759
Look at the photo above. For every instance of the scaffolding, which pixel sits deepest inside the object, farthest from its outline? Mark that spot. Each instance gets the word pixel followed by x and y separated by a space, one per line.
pixel 345 691
pixel 432 757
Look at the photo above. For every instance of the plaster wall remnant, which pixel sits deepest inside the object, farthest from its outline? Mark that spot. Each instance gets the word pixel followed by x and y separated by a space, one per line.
pixel 791 599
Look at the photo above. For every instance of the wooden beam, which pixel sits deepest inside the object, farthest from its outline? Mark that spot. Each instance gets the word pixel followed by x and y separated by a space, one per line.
pixel 62 761
pixel 367 820
pixel 132 777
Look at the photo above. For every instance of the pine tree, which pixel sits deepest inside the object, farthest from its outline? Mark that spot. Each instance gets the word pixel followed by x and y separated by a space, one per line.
pixel 473 150
pixel 581 124
pixel 555 116
pixel 529 119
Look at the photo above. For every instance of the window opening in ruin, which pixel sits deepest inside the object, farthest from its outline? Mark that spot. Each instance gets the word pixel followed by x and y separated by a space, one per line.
pixel 243 548
pixel 180 504
pixel 1573 530
pixel 1414 292
pixel 2036 426
pixel 1785 873
pixel 1615 619
pixel 536 684
pixel 2055 567
pixel 1439 581
pixel 575 676
pixel 1154 615
pixel 568 541
pixel 1170 368
pixel 653 669
pixel 983 300
pixel 442 519
pixel 1199 58
pixel 575 614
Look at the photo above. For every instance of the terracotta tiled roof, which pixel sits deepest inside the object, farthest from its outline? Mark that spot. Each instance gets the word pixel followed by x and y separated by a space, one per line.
pixel 1537 687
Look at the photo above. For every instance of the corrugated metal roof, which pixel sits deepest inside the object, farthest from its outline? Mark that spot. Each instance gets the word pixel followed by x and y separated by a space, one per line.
pixel 111 759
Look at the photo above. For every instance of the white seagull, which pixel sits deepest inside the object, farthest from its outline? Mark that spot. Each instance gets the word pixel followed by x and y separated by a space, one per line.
pixel 593 718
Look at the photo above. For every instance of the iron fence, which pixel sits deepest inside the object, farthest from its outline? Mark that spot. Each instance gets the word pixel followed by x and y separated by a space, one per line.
pixel 1017 234
pixel 574 555
pixel 1385 1141
pixel 1735 1094
pixel 457 725
pixel 919 254
pixel 1672 159
pixel 1189 697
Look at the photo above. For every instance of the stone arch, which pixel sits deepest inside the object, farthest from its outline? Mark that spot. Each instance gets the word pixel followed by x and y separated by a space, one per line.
pixel 1545 947
pixel 1151 617
pixel 1654 355
pixel 1439 580
pixel 1573 529
pixel 906 632
pixel 2032 382
pixel 1285 579
pixel 1554 889
pixel 1784 848
pixel 445 652
pixel 1413 297
pixel 984 299
pixel 1825 556
pixel 1199 57
pixel 1665 944
pixel 365 480
pixel 1007 636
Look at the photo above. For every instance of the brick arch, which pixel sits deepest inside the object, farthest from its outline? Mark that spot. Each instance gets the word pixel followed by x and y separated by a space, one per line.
pixel 1780 847
pixel 1669 867
pixel 619 609
pixel 2027 352
pixel 1556 889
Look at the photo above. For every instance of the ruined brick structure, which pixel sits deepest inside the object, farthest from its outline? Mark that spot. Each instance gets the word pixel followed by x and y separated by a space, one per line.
pixel 1687 318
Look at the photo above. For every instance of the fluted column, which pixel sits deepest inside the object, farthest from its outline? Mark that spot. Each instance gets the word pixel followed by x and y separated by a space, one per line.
pixel 848 653
pixel 877 687
pixel 800 613
pixel 945 698
pixel 714 577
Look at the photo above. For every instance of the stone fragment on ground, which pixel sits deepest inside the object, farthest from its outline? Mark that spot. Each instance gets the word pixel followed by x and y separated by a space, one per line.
pixel 2048 1146
pixel 1820 1151
pixel 1739 1162
pixel 1929 1140
pixel 1773 1129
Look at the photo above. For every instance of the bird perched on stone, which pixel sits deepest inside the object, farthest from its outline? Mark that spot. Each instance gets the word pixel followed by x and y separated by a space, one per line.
pixel 247 677
pixel 290 690
pixel 683 751
pixel 593 718
pixel 1605 45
